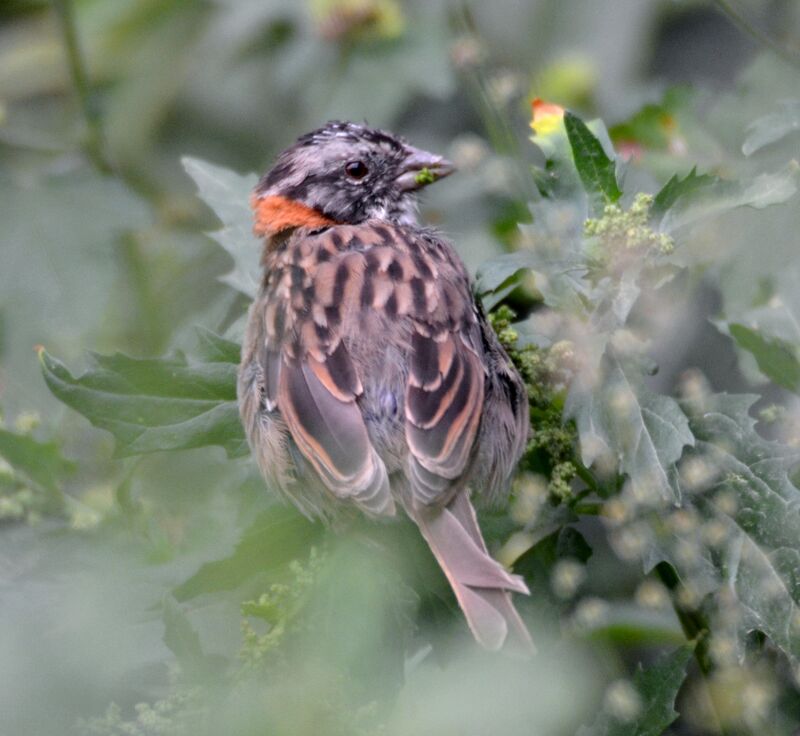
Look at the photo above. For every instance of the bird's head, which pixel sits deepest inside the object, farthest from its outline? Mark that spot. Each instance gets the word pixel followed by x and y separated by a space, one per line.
pixel 344 173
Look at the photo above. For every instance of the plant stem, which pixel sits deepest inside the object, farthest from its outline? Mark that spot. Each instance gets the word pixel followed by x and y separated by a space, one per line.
pixel 588 509
pixel 696 628
pixel 583 473
pixel 692 622
pixel 736 17
pixel 93 137
pixel 500 133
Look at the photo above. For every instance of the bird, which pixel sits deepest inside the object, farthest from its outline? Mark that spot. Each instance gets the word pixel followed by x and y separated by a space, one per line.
pixel 370 380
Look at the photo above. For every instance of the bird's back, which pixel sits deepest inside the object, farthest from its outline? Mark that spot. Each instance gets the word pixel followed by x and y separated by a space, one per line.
pixel 384 316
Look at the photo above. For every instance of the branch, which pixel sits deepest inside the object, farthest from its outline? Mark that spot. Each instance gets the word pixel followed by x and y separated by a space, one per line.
pixel 93 138
pixel 739 20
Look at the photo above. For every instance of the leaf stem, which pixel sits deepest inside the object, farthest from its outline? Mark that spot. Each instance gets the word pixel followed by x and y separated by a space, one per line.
pixel 588 509
pixel 696 629
pixel 93 136
pixel 583 473
pixel 693 623
pixel 743 24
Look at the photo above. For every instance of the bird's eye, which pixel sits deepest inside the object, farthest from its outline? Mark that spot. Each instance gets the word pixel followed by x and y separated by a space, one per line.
pixel 356 169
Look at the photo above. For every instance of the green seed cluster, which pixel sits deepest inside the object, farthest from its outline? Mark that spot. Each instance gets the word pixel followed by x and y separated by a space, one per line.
pixel 180 714
pixel 552 446
pixel 18 501
pixel 619 231
pixel 279 608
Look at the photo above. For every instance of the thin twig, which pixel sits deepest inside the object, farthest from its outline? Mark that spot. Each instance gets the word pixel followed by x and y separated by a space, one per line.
pixel 739 20
pixel 93 137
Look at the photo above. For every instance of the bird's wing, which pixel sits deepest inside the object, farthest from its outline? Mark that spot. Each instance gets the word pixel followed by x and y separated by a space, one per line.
pixel 308 373
pixel 446 375
pixel 444 405
pixel 319 288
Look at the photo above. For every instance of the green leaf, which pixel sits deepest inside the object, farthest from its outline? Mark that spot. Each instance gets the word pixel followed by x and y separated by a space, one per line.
pixel 228 195
pixel 596 170
pixel 654 125
pixel 737 546
pixel 495 272
pixel 761 555
pixel 657 687
pixel 150 405
pixel 184 642
pixel 720 196
pixel 771 128
pixel 212 348
pixel 618 417
pixel 776 358
pixel 772 350
pixel 677 188
pixel 536 564
pixel 42 462
pixel 629 625
pixel 275 538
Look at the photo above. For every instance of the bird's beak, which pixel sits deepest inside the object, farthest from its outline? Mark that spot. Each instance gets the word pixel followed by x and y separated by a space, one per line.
pixel 421 168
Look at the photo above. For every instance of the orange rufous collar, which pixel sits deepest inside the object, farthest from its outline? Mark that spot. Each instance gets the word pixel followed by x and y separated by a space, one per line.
pixel 275 214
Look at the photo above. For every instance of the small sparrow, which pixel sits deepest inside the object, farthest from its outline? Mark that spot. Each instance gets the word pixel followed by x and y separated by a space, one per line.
pixel 370 379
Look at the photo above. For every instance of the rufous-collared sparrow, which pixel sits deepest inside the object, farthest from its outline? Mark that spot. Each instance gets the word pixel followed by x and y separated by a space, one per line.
pixel 370 379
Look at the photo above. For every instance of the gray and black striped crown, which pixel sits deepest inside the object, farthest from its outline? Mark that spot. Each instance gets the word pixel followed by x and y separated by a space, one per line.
pixel 352 132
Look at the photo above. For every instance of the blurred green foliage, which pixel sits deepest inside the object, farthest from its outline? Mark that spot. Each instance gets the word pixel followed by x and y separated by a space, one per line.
pixel 642 276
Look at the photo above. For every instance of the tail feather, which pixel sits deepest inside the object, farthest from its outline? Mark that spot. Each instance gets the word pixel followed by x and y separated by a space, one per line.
pixel 481 584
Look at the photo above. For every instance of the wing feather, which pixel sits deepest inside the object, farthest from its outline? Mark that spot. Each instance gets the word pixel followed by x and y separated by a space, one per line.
pixel 401 284
pixel 330 433
pixel 445 389
pixel 309 375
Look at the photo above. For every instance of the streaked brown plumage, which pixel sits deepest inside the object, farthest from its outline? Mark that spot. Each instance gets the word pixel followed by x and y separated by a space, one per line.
pixel 370 379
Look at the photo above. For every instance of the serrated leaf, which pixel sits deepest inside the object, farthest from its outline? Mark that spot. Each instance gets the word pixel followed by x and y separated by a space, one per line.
pixel 618 417
pixel 215 349
pixel 676 188
pixel 742 549
pixel 276 537
pixel 596 170
pixel 42 462
pixel 759 192
pixel 150 405
pixel 764 524
pixel 776 358
pixel 657 687
pixel 228 195
pixel 771 128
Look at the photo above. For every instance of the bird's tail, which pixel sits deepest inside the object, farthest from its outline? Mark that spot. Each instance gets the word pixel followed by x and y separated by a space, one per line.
pixel 481 584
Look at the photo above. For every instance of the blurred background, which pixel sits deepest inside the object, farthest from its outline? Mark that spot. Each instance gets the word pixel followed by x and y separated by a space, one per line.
pixel 102 234
pixel 103 248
